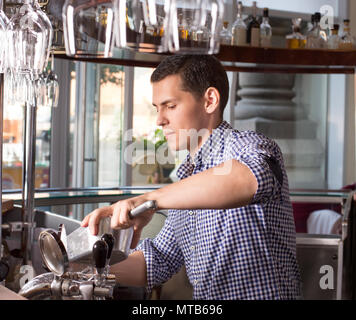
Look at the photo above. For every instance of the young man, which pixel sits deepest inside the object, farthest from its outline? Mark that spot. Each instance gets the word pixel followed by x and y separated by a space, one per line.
pixel 230 220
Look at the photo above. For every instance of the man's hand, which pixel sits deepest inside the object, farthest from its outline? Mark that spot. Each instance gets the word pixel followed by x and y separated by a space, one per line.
pixel 119 213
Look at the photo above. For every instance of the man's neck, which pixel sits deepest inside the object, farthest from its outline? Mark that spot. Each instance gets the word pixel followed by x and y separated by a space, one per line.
pixel 202 139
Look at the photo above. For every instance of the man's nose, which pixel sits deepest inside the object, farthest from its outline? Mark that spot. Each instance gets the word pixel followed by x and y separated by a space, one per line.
pixel 161 119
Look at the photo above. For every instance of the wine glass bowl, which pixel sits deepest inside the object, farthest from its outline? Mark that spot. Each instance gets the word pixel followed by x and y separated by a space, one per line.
pixel 28 37
pixel 195 26
pixel 141 25
pixel 3 24
pixel 88 28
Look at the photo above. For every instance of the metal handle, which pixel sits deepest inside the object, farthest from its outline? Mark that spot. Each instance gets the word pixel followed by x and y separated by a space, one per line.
pixel 110 241
pixel 151 204
pixel 100 252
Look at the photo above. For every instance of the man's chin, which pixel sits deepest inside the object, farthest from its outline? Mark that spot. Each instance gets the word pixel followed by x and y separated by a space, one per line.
pixel 175 147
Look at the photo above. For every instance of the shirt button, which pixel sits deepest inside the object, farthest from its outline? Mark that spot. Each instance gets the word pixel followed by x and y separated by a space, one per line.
pixel 195 281
pixel 192 248
pixel 191 212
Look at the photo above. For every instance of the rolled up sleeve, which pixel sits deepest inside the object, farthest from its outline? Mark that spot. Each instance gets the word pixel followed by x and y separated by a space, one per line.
pixel 162 255
pixel 263 160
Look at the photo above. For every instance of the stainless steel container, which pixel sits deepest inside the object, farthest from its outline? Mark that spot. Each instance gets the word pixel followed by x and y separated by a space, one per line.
pixel 79 243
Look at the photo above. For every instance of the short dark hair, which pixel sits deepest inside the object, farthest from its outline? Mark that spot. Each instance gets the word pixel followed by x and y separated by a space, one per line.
pixel 198 73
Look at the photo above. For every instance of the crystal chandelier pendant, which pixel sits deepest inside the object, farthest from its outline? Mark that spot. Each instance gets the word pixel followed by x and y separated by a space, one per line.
pixel 28 37
pixel 88 28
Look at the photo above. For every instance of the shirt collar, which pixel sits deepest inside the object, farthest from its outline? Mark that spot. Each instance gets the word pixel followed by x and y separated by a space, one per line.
pixel 209 148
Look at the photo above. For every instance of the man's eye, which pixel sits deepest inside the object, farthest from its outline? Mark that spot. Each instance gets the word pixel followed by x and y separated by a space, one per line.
pixel 171 106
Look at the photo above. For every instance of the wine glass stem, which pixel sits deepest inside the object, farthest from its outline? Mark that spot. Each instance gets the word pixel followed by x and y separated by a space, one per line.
pixel 52 61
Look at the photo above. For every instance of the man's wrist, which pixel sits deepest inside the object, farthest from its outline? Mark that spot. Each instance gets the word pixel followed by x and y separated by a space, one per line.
pixel 155 196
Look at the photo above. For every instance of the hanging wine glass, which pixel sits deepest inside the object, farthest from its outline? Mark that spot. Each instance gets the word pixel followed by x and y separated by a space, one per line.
pixel 49 31
pixel 20 88
pixel 29 86
pixel 3 24
pixel 141 24
pixel 195 26
pixel 23 88
pixel 40 88
pixel 9 90
pixel 52 87
pixel 28 36
pixel 88 28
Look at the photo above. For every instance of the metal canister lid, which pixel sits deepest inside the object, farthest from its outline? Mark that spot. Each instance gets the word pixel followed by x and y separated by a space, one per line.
pixel 53 252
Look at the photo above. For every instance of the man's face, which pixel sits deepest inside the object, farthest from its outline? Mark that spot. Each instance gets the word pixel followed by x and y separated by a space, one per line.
pixel 179 113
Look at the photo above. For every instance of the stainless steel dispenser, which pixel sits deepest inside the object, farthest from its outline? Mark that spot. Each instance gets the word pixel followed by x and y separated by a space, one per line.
pixel 63 255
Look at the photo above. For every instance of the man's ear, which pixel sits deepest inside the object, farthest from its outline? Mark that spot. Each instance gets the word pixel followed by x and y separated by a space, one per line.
pixel 212 100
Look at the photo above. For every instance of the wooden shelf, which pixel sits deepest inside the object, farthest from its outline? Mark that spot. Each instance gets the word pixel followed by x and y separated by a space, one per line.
pixel 282 56
pixel 249 59
pixel 288 60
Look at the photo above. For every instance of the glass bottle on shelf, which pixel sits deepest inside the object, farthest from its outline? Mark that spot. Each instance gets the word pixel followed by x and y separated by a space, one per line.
pixel 186 31
pixel 310 24
pixel 225 34
pixel 295 40
pixel 334 39
pixel 200 34
pixel 253 28
pixel 239 28
pixel 323 33
pixel 316 37
pixel 265 30
pixel 310 33
pixel 346 41
pixel 183 32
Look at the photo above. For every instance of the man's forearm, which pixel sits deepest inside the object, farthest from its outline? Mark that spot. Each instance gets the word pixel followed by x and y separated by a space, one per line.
pixel 230 185
pixel 132 271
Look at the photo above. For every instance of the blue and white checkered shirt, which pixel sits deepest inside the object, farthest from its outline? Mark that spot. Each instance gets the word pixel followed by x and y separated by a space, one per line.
pixel 241 253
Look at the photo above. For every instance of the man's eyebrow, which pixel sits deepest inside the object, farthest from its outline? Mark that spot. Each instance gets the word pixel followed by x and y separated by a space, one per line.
pixel 164 102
